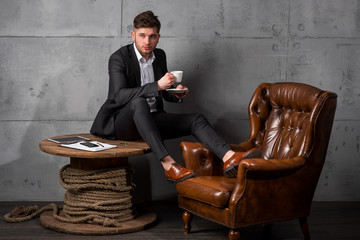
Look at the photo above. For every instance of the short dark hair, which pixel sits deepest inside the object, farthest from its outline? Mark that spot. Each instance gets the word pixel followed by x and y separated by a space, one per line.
pixel 147 20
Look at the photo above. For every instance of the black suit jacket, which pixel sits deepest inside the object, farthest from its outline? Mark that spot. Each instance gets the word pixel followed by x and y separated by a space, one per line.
pixel 125 85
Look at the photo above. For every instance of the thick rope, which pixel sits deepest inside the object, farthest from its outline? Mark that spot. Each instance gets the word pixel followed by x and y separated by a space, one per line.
pixel 99 196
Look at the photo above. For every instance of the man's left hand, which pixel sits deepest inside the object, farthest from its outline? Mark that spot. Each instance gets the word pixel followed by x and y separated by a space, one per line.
pixel 181 94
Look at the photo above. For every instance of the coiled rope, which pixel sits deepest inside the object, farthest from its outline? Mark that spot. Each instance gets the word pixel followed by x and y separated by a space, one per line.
pixel 102 197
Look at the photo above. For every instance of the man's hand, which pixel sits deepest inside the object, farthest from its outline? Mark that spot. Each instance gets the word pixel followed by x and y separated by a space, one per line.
pixel 181 94
pixel 166 81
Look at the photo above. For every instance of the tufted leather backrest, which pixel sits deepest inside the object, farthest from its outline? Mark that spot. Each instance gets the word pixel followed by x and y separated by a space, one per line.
pixel 283 117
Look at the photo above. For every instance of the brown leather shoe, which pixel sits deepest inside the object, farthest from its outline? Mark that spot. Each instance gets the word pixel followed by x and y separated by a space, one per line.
pixel 231 165
pixel 178 173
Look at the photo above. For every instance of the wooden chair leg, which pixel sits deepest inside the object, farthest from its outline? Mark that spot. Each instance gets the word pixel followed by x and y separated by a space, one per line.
pixel 305 227
pixel 187 217
pixel 234 235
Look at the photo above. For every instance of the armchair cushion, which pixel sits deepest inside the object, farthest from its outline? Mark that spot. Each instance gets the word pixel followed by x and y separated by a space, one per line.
pixel 212 190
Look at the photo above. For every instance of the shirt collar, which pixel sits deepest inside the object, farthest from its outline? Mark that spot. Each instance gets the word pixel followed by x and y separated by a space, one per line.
pixel 140 58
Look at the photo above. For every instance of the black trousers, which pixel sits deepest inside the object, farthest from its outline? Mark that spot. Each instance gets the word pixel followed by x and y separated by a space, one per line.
pixel 135 121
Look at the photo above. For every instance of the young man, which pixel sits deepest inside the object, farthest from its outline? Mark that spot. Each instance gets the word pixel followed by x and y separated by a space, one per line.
pixel 134 107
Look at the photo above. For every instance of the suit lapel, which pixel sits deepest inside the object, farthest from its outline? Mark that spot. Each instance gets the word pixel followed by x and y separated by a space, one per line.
pixel 135 63
pixel 157 68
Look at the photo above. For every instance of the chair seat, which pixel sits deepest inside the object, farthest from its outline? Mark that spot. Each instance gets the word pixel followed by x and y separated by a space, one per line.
pixel 213 190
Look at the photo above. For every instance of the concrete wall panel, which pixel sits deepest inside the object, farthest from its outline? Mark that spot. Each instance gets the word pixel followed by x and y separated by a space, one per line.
pixel 331 64
pixel 220 89
pixel 215 17
pixel 325 19
pixel 340 175
pixel 26 173
pixel 255 19
pixel 60 18
pixel 52 78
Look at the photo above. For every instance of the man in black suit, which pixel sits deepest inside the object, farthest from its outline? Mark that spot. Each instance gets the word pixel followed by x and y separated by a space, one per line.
pixel 134 108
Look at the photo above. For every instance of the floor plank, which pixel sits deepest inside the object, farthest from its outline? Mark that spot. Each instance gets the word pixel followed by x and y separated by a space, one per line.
pixel 328 221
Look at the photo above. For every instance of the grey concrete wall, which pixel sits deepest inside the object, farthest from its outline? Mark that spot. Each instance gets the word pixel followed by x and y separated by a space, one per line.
pixel 53 77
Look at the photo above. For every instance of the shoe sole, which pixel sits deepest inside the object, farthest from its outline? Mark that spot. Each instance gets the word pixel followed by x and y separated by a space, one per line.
pixel 181 179
pixel 231 171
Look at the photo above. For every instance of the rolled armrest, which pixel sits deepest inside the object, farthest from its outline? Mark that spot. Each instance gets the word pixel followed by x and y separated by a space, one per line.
pixel 258 164
pixel 260 168
pixel 199 158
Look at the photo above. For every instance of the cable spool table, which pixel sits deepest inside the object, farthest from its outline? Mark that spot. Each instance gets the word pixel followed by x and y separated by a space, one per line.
pixel 93 161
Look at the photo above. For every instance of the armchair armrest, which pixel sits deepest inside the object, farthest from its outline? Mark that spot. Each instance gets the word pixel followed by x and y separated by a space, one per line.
pixel 199 158
pixel 271 169
pixel 270 165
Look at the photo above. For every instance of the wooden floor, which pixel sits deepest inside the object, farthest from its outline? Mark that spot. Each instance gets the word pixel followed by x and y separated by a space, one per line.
pixel 328 221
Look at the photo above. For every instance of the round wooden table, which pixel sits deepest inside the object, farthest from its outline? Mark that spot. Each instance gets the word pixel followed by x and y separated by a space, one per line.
pixel 85 160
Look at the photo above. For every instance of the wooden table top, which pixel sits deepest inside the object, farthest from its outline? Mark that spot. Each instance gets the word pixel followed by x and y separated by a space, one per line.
pixel 123 149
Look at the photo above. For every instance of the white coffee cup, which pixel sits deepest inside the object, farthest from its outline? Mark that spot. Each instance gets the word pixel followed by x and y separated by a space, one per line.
pixel 178 75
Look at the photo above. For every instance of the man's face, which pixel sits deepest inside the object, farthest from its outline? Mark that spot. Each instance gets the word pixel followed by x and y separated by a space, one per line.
pixel 145 40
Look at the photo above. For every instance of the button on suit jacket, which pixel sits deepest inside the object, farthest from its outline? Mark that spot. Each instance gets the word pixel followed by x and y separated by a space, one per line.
pixel 125 85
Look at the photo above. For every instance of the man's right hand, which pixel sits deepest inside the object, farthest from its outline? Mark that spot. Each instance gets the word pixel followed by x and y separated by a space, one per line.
pixel 166 81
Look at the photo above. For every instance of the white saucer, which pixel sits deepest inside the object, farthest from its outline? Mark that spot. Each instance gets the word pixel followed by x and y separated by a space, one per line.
pixel 176 90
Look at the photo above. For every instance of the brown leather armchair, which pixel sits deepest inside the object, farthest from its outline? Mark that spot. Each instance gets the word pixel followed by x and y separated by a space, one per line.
pixel 290 125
